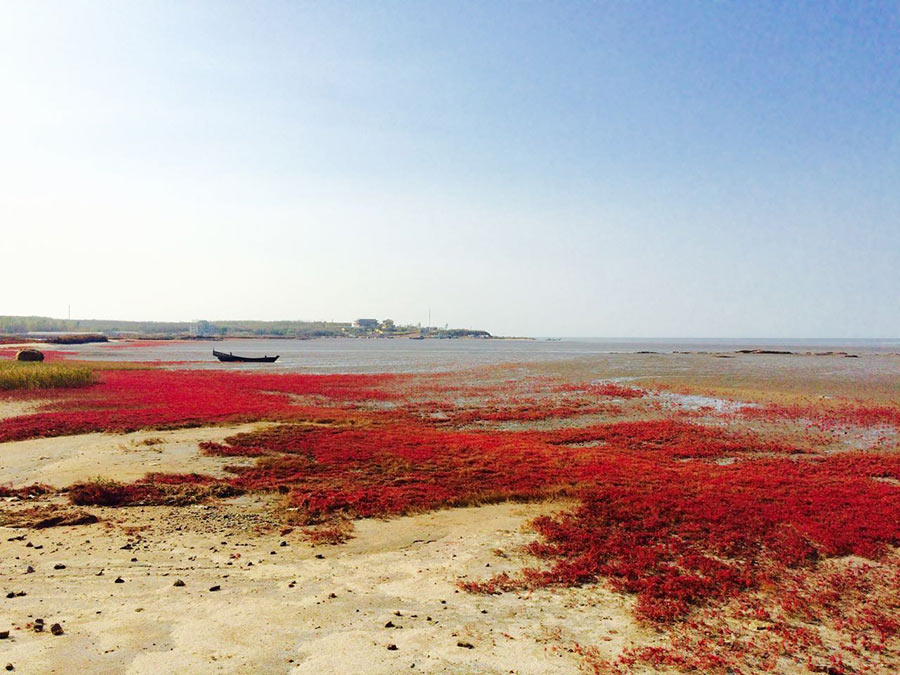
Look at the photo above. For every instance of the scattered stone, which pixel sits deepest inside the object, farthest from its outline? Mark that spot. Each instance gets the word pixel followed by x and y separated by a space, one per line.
pixel 179 583
pixel 319 556
pixel 119 580
pixel 465 645
pixel 59 566
pixel 9 666
pixel 4 634
pixel 56 629
pixel 30 570
pixel 392 648
pixel 389 624
pixel 215 588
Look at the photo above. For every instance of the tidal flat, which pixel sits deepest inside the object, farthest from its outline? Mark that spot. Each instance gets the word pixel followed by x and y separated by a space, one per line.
pixel 586 512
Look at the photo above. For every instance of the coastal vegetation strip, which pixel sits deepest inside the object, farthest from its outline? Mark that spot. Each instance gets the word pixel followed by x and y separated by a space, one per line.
pixel 698 516
pixel 15 375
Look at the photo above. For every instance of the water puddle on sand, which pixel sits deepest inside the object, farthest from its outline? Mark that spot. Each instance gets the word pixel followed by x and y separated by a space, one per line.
pixel 698 402
pixel 684 401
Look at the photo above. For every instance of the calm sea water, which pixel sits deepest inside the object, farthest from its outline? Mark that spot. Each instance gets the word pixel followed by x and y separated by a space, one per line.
pixel 403 355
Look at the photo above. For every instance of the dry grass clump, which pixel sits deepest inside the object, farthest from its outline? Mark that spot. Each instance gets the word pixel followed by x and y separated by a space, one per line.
pixel 330 534
pixel 24 375
pixel 155 490
pixel 26 492
pixel 40 517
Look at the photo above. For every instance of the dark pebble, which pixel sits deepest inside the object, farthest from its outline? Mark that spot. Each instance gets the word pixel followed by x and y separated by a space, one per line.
pixel 215 588
pixel 178 583
pixel 465 645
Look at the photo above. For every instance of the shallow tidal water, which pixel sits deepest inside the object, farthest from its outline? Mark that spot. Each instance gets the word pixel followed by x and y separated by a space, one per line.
pixel 432 355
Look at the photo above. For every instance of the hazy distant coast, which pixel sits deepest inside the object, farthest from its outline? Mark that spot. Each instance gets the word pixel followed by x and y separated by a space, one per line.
pixel 35 326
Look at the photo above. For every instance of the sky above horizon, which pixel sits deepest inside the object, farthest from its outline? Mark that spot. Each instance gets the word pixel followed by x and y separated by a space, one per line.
pixel 716 169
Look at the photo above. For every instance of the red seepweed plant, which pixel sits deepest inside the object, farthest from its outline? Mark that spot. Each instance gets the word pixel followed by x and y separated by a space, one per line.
pixel 688 517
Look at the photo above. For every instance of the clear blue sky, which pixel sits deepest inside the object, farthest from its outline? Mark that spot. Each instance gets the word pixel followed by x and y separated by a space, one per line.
pixel 556 168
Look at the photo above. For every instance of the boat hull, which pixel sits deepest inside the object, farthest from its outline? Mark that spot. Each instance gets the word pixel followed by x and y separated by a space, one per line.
pixel 232 358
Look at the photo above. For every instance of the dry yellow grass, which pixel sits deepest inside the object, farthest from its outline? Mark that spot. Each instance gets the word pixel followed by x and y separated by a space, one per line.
pixel 23 375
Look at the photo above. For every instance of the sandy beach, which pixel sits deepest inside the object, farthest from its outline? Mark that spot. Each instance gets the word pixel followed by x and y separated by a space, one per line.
pixel 284 605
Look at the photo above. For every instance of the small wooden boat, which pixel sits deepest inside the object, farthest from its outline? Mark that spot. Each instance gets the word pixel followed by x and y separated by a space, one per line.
pixel 229 357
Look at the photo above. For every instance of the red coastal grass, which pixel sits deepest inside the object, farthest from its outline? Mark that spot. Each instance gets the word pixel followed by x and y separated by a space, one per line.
pixel 390 469
pixel 828 417
pixel 670 438
pixel 662 515
pixel 785 628
pixel 684 535
pixel 532 411
pixel 130 400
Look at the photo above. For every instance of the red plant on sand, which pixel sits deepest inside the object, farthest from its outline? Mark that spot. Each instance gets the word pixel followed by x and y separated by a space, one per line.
pixel 685 516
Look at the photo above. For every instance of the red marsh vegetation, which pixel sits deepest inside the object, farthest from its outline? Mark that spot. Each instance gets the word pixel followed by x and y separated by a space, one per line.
pixel 709 526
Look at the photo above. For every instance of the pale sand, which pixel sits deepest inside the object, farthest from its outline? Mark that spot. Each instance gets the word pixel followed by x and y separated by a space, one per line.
pixel 64 460
pixel 258 623
pixel 17 408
